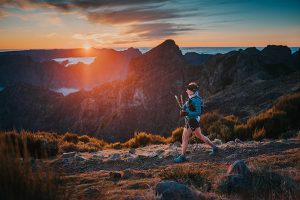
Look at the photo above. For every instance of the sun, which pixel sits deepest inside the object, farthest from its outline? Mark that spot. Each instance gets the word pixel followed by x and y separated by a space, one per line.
pixel 86 46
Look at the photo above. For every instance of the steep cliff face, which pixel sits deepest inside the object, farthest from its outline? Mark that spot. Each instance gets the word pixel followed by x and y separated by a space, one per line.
pixel 243 82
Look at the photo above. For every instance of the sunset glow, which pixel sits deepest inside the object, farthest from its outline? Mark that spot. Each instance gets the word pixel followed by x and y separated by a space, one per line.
pixel 87 46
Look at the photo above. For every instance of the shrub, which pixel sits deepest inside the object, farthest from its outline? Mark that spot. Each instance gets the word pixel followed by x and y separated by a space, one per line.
pixel 142 139
pixel 116 145
pixel 259 134
pixel 20 179
pixel 177 135
pixel 291 105
pixel 68 147
pixel 273 121
pixel 242 132
pixel 208 119
pixel 38 145
pixel 70 137
pixel 84 139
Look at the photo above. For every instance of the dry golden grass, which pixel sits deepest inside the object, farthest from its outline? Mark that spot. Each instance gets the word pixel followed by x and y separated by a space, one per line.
pixel 22 176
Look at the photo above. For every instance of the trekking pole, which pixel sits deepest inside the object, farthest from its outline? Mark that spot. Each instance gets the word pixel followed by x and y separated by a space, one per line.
pixel 181 106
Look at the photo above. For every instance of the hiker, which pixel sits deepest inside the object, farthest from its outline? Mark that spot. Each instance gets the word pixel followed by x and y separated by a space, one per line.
pixel 191 110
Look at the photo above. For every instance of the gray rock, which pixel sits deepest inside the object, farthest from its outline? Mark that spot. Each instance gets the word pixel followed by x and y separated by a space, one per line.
pixel 237 140
pixel 91 192
pixel 68 155
pixel 230 142
pixel 97 156
pixel 239 167
pixel 234 183
pixel 238 178
pixel 115 176
pixel 152 155
pixel 80 158
pixel 115 156
pixel 171 190
pixel 217 142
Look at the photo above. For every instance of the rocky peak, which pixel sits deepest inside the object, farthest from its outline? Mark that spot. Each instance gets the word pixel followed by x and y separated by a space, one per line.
pixel 252 51
pixel 276 54
pixel 166 57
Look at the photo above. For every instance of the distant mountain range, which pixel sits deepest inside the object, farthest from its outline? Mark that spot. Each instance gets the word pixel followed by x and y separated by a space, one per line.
pixel 243 82
pixel 37 67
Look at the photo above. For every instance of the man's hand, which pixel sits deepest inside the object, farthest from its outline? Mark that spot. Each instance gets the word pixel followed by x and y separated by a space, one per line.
pixel 183 113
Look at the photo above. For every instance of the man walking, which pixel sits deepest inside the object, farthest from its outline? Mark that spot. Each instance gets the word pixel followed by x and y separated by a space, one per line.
pixel 191 110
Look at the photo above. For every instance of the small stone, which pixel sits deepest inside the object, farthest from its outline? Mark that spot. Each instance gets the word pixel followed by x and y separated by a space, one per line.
pixel 237 140
pixel 217 142
pixel 115 156
pixel 230 142
pixel 152 155
pixel 132 151
pixel 115 176
pixel 68 155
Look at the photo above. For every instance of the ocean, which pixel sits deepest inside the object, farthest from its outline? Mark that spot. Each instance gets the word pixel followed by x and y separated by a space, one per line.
pixel 184 50
pixel 206 50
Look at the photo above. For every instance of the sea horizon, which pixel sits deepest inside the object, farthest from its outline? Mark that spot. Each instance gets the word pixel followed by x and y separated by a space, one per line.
pixel 184 50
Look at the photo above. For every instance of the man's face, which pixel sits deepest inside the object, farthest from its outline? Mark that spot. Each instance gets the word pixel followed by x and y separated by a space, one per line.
pixel 189 92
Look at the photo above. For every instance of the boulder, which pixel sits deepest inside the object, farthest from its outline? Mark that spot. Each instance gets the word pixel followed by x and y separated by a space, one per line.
pixel 239 167
pixel 238 178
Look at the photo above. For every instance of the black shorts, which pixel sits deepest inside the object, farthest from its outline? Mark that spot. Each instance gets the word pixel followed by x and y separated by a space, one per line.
pixel 193 124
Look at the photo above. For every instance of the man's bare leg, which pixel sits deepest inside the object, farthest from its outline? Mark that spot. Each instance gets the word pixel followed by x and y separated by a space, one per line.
pixel 205 139
pixel 185 138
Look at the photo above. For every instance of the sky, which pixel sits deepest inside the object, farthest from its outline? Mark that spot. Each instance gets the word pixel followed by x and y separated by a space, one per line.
pixel 47 24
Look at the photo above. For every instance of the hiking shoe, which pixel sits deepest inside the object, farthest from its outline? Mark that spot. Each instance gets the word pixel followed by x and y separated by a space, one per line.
pixel 214 151
pixel 180 159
